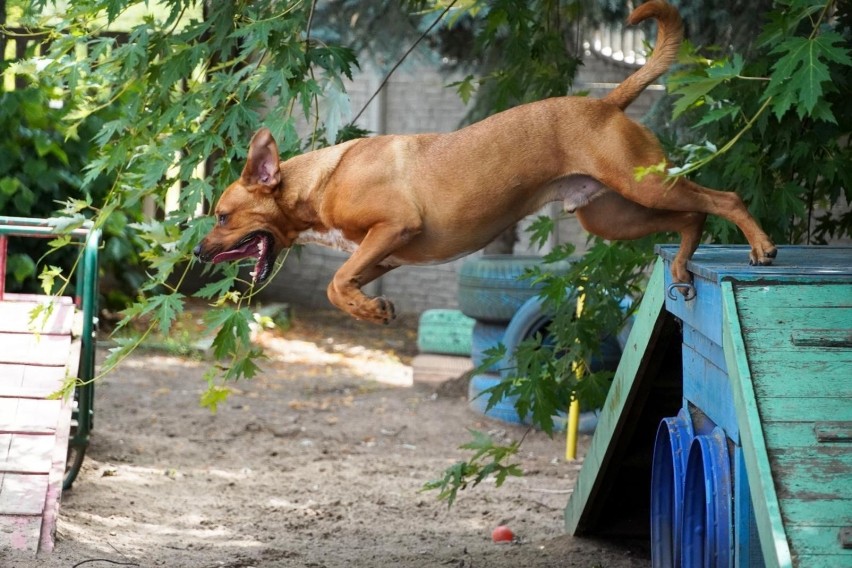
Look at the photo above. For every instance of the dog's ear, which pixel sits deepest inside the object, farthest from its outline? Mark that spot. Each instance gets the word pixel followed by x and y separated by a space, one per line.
pixel 262 164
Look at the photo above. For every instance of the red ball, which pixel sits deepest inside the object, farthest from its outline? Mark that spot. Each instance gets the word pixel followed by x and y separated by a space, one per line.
pixel 502 534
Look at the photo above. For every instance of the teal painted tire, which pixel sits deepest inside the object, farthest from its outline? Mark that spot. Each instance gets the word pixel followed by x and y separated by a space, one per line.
pixel 490 287
pixel 444 332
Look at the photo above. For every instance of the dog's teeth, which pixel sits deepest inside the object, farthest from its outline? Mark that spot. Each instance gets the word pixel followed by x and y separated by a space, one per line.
pixel 253 274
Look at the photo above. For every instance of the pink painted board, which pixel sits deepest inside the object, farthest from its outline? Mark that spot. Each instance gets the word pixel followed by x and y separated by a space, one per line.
pixel 29 416
pixel 49 350
pixel 20 532
pixel 22 494
pixel 28 453
pixel 15 315
pixel 26 381
pixel 55 480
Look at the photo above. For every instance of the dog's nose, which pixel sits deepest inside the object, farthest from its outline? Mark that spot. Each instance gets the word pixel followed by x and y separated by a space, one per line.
pixel 197 251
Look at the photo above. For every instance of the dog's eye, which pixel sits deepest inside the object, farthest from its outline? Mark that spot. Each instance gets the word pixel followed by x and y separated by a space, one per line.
pixel 222 219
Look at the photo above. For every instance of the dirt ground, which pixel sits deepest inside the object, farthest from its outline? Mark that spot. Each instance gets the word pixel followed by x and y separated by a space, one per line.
pixel 318 462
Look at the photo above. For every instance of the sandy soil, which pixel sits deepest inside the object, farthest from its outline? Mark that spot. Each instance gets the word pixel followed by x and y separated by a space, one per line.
pixel 319 462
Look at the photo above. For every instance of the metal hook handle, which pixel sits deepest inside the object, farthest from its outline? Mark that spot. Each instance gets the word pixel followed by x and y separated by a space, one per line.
pixel 688 294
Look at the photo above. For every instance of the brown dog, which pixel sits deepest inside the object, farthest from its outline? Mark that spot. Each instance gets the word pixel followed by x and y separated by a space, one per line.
pixel 429 198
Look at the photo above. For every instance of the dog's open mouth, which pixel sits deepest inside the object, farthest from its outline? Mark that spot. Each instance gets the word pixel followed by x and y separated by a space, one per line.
pixel 258 244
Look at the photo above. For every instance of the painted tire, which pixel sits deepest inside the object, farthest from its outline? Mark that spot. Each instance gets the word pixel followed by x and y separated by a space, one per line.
pixel 485 336
pixel 505 410
pixel 490 289
pixel 668 468
pixel 532 318
pixel 444 332
pixel 707 515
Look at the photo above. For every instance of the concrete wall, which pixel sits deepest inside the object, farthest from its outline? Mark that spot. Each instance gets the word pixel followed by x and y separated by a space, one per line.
pixel 418 101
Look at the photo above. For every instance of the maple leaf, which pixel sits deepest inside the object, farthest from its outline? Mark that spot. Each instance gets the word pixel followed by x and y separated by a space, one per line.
pixel 799 74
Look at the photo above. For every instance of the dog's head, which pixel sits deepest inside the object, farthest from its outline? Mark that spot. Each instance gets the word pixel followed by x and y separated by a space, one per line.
pixel 249 218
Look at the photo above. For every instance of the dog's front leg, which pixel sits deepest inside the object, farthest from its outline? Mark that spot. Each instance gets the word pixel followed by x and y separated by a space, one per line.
pixel 363 267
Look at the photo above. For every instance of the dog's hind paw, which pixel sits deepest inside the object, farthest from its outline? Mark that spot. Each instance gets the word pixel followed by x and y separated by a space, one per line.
pixel 762 256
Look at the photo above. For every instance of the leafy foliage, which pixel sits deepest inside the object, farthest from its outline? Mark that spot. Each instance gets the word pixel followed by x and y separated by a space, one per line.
pixel 40 169
pixel 177 102
pixel 487 460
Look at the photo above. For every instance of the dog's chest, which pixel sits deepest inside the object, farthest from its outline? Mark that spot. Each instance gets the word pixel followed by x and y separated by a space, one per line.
pixel 332 238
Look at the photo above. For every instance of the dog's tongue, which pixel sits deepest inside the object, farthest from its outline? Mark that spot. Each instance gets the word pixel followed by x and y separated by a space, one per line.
pixel 250 249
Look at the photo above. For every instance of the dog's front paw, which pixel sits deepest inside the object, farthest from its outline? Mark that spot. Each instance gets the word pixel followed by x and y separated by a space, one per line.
pixel 762 255
pixel 376 310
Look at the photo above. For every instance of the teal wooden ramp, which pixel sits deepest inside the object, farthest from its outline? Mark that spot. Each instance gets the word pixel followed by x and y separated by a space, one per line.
pixel 759 364
pixel 789 354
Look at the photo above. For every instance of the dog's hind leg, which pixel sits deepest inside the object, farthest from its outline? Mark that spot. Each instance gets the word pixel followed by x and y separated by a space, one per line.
pixel 683 195
pixel 364 266
pixel 613 217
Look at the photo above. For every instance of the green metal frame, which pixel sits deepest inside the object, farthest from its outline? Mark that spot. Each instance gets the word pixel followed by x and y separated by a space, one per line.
pixel 86 300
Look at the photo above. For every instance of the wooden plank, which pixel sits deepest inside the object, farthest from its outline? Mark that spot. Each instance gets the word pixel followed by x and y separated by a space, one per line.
pixel 27 381
pixel 796 297
pixel 702 312
pixel 793 264
pixel 789 377
pixel 16 316
pixel 702 344
pixel 783 409
pixel 22 494
pixel 5 445
pixel 772 365
pixel 589 488
pixel 812 473
pixel 802 339
pixel 817 541
pixel 830 512
pixel 29 416
pixel 708 388
pixel 823 561
pixel 805 434
pixel 55 481
pixel 833 432
pixel 46 350
pixel 20 532
pixel 27 453
pixel 767 511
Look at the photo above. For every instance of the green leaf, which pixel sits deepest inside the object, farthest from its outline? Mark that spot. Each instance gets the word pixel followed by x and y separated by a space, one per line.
pixel 167 308
pixel 214 396
pixel 48 278
pixel 234 330
pixel 694 85
pixel 465 88
pixel 801 70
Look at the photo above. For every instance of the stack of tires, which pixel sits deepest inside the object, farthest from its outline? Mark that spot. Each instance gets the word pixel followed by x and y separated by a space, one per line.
pixel 444 345
pixel 507 309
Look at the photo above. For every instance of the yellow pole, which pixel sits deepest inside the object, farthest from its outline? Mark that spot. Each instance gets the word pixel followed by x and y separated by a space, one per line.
pixel 573 424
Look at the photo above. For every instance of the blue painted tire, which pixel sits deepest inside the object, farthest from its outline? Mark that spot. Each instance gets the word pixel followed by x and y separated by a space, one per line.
pixel 445 332
pixel 505 409
pixel 490 287
pixel 668 468
pixel 485 336
pixel 533 318
pixel 707 515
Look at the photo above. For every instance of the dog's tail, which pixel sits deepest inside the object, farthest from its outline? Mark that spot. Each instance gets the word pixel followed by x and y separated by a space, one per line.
pixel 669 37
